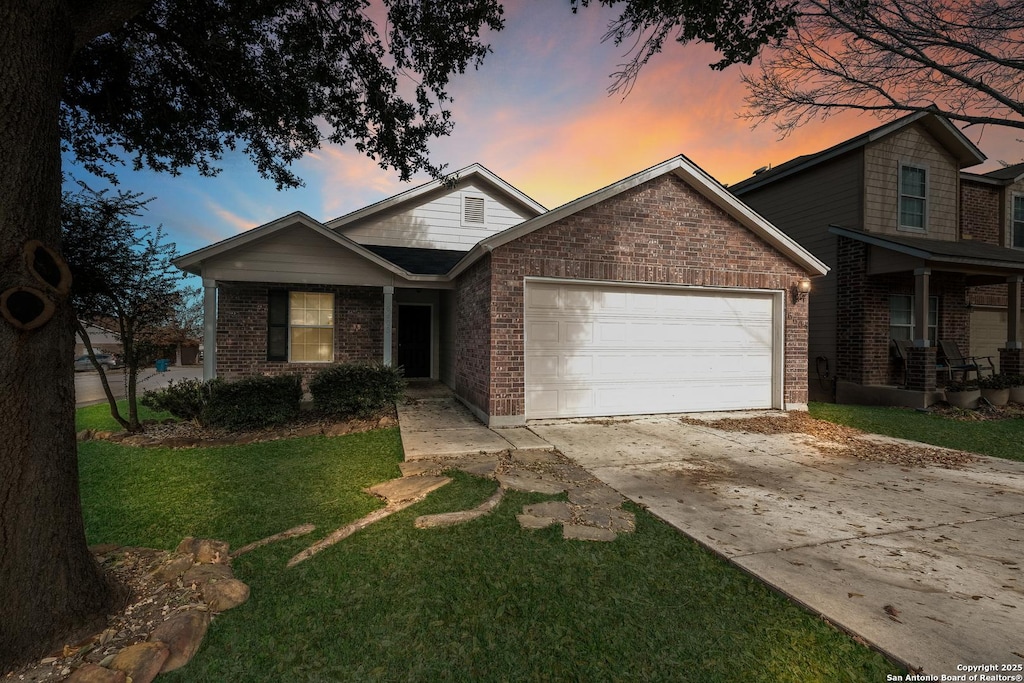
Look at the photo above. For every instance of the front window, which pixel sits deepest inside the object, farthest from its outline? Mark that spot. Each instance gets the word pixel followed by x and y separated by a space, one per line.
pixel 1018 221
pixel 913 197
pixel 300 326
pixel 901 317
pixel 311 327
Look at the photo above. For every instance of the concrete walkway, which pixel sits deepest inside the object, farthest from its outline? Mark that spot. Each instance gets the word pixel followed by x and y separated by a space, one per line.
pixel 434 424
pixel 924 563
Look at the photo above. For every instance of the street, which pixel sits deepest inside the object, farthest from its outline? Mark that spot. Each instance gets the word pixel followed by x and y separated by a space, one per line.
pixel 89 390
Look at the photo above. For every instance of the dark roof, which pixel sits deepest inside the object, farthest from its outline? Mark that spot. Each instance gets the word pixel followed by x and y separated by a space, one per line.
pixel 948 134
pixel 1009 174
pixel 417 260
pixel 967 252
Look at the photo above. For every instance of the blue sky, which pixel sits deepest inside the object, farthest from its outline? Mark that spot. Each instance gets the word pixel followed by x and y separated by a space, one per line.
pixel 536 113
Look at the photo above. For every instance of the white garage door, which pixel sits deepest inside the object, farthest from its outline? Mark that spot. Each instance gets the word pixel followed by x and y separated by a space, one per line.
pixel 595 350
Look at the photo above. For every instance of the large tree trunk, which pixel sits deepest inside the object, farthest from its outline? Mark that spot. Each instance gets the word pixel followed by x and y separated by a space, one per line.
pixel 51 588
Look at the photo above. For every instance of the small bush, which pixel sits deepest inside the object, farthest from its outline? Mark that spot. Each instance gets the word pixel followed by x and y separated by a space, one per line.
pixel 185 399
pixel 996 381
pixel 359 390
pixel 254 402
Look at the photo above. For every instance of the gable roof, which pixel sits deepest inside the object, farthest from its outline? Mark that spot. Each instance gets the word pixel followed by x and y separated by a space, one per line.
pixel 419 260
pixel 965 151
pixel 689 173
pixel 192 262
pixel 1001 176
pixel 473 171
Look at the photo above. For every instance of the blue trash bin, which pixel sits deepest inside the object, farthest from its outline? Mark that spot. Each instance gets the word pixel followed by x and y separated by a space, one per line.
pixel 162 364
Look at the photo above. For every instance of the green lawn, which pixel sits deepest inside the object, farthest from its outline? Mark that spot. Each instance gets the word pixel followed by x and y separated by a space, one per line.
pixel 97 417
pixel 483 601
pixel 998 438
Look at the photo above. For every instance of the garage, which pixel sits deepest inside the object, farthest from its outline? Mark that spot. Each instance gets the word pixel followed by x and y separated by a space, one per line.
pixel 609 349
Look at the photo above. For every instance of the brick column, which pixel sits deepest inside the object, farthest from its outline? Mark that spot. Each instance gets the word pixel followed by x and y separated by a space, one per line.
pixel 1011 361
pixel 921 368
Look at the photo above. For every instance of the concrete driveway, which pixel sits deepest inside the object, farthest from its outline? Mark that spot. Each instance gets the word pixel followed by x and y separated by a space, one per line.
pixel 924 563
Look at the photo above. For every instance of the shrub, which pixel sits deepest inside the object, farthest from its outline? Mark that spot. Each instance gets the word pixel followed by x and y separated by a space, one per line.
pixel 359 390
pixel 254 402
pixel 1015 381
pixel 185 399
pixel 966 385
pixel 995 382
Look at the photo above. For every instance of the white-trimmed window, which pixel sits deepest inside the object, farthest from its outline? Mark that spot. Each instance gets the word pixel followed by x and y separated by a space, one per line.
pixel 913 197
pixel 901 317
pixel 1018 221
pixel 473 209
pixel 300 327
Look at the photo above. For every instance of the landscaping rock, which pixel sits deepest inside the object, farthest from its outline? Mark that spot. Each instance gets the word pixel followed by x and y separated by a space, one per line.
pixel 205 550
pixel 182 634
pixel 311 430
pixel 141 662
pixel 93 673
pixel 407 488
pixel 84 435
pixel 300 530
pixel 173 568
pixel 201 574
pixel 225 594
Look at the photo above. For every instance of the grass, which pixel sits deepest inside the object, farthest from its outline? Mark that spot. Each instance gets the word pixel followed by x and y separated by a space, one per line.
pixel 998 438
pixel 483 601
pixel 97 417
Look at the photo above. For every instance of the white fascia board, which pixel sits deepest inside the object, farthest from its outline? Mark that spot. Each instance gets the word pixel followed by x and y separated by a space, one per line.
pixel 193 262
pixel 473 170
pixel 689 173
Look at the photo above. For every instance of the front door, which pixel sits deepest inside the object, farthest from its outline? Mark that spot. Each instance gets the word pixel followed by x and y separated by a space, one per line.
pixel 414 340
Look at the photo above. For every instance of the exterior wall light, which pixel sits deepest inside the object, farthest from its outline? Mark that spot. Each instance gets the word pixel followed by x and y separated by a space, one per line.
pixel 801 289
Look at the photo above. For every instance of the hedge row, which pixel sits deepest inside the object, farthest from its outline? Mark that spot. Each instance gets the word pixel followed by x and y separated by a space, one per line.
pixel 256 402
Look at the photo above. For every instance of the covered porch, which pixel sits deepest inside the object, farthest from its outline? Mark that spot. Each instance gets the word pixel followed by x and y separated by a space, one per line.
pixel 933 278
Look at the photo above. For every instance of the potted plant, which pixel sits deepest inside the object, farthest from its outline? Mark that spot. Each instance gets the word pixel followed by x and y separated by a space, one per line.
pixel 1016 383
pixel 963 394
pixel 995 389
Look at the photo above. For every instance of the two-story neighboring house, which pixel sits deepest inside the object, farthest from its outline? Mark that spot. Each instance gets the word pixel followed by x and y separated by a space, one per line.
pixel 992 211
pixel 884 210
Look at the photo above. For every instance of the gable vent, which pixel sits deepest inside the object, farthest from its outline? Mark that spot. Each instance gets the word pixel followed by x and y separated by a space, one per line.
pixel 473 210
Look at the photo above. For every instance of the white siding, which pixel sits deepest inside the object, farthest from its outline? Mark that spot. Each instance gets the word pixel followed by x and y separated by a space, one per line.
pixel 436 221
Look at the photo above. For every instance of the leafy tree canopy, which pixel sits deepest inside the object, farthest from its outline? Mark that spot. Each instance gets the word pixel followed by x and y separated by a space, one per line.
pixel 183 81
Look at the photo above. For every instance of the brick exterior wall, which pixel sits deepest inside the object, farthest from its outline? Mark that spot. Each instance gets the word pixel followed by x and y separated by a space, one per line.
pixel 473 334
pixel 660 232
pixel 242 329
pixel 863 355
pixel 979 212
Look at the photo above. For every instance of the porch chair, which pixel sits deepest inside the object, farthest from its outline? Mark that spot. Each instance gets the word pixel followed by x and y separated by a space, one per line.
pixel 954 361
pixel 899 352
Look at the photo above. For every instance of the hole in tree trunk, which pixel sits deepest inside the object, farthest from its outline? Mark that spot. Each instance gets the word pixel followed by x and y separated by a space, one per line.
pixel 26 308
pixel 47 266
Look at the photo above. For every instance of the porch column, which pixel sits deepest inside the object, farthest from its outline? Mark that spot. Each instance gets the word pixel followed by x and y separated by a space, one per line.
pixel 389 298
pixel 1011 358
pixel 209 328
pixel 921 277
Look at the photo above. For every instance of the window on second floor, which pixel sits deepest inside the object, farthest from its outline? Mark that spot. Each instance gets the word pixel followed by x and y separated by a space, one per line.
pixel 913 197
pixel 901 317
pixel 1018 221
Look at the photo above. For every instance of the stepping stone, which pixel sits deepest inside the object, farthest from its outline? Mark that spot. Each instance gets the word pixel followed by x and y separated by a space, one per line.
pixel 598 494
pixel 530 482
pixel 407 488
pixel 412 468
pixel 577 532
pixel 598 517
pixel 479 466
pixel 571 474
pixel 556 510
pixel 623 521
pixel 531 522
pixel 452 518
pixel 536 457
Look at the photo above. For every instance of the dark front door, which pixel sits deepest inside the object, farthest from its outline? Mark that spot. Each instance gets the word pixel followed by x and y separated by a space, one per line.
pixel 414 340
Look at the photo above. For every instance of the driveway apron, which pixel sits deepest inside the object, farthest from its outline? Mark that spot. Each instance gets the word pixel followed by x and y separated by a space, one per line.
pixel 924 563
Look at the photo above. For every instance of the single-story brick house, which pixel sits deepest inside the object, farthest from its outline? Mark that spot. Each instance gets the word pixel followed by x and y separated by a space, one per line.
pixel 659 293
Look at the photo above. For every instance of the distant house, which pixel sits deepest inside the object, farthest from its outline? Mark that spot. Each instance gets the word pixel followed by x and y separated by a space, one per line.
pixel 659 293
pixel 101 338
pixel 916 247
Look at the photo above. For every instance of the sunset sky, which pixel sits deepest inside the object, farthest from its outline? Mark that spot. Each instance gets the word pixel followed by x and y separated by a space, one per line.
pixel 537 114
